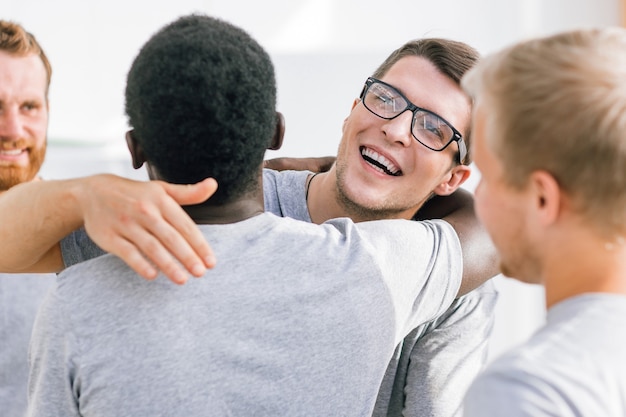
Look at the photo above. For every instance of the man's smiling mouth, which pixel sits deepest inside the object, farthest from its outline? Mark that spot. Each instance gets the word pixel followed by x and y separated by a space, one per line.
pixel 379 162
pixel 12 152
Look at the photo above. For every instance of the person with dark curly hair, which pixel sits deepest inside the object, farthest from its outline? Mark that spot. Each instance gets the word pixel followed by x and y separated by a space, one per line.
pixel 295 319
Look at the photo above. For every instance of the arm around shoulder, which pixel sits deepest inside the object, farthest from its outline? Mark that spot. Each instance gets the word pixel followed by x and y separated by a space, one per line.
pixel 480 258
pixel 142 222
pixel 41 213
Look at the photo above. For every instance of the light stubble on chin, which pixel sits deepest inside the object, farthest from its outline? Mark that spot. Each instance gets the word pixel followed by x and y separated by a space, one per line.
pixel 360 212
pixel 522 265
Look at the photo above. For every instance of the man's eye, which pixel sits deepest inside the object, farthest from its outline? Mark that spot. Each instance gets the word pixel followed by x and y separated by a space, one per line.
pixel 433 126
pixel 28 106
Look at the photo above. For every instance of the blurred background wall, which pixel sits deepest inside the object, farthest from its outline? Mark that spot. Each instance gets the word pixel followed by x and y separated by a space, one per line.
pixel 323 51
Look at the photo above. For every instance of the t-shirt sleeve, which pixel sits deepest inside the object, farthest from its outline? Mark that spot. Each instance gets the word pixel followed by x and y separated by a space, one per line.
pixel 270 192
pixel 284 193
pixel 450 354
pixel 78 247
pixel 420 263
pixel 52 347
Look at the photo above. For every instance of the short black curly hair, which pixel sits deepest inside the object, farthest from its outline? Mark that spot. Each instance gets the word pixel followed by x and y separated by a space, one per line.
pixel 201 98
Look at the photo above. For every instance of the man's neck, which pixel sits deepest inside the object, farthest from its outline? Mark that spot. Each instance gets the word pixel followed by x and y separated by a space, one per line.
pixel 587 265
pixel 322 200
pixel 233 212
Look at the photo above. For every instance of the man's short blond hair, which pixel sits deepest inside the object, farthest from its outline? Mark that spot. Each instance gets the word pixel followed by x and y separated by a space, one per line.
pixel 559 104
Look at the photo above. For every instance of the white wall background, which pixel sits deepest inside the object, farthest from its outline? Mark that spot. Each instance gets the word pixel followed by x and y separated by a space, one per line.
pixel 323 51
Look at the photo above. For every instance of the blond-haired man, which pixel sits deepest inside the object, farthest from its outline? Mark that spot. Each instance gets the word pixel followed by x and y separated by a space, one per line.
pixel 550 118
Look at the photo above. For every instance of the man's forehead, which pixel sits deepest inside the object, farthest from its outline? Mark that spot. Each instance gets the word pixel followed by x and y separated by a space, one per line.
pixel 28 60
pixel 426 86
pixel 22 75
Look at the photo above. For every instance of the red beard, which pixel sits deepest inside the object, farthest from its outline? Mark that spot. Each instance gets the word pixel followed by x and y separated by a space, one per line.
pixel 14 175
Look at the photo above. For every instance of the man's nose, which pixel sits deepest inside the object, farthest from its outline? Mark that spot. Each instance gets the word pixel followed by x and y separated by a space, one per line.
pixel 398 129
pixel 11 124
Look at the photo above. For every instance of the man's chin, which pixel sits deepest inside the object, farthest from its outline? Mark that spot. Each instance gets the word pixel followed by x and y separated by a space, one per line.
pixel 518 274
pixel 12 176
pixel 362 207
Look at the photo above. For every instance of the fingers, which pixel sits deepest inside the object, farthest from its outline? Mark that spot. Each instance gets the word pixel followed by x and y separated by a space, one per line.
pixel 144 224
pixel 192 248
pixel 146 256
pixel 133 258
pixel 176 240
pixel 278 164
pixel 169 238
pixel 149 243
pixel 191 194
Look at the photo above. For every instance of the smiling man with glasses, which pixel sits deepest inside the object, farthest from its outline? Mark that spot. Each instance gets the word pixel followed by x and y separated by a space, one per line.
pixel 405 144
pixel 391 161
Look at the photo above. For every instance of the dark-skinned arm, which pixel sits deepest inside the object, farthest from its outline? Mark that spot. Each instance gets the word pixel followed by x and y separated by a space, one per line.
pixel 316 164
pixel 480 259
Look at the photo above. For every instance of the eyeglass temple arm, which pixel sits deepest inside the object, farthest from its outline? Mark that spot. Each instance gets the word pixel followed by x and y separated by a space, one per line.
pixel 462 150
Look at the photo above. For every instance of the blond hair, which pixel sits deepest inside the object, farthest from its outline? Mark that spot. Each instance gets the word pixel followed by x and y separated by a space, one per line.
pixel 559 104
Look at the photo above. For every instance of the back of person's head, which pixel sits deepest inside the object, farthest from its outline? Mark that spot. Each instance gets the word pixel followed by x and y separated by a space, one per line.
pixel 201 98
pixel 558 104
pixel 452 58
pixel 15 40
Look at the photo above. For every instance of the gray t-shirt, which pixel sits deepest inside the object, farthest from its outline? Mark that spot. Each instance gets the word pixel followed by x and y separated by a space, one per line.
pixel 296 319
pixel 434 365
pixel 20 296
pixel 573 366
pixel 78 247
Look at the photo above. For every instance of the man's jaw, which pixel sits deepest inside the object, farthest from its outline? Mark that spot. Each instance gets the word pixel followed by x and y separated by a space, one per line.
pixel 379 162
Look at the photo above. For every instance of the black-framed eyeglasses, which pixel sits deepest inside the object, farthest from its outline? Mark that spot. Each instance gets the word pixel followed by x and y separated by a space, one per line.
pixel 428 128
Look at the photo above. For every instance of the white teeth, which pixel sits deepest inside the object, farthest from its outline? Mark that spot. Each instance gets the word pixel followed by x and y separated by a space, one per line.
pixel 381 160
pixel 12 152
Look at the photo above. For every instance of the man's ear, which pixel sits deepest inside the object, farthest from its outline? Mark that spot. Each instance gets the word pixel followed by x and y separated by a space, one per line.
pixel 548 197
pixel 136 153
pixel 279 133
pixel 453 180
pixel 354 103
